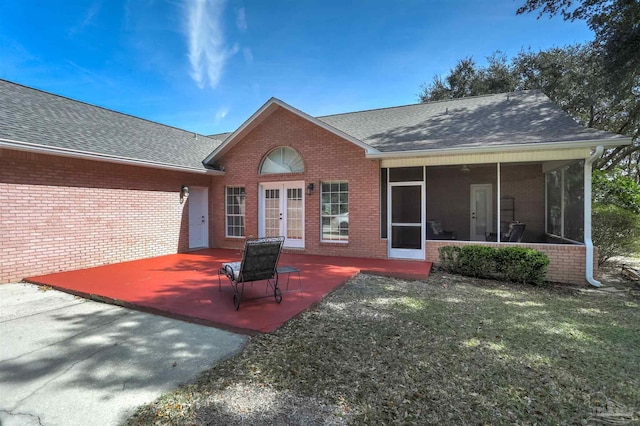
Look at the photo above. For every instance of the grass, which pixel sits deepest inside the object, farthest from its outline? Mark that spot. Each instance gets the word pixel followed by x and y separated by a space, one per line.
pixel 450 351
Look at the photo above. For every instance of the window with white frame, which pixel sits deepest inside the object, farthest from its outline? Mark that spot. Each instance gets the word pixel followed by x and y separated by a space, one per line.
pixel 334 210
pixel 282 160
pixel 235 203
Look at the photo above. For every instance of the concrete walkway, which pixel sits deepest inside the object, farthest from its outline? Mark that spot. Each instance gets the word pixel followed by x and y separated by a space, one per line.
pixel 69 361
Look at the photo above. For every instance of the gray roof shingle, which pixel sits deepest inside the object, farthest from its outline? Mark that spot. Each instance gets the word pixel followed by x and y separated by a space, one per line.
pixel 37 117
pixel 526 117
pixel 32 116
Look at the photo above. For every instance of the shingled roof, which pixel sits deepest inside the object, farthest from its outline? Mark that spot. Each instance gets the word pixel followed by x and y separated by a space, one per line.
pixel 526 117
pixel 37 119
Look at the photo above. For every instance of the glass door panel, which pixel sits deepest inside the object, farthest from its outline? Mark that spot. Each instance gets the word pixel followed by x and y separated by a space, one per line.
pixel 282 212
pixel 294 214
pixel 272 215
pixel 407 220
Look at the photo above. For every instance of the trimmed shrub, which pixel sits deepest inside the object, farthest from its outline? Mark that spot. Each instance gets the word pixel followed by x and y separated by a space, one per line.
pixel 449 258
pixel 477 261
pixel 522 265
pixel 516 264
pixel 616 231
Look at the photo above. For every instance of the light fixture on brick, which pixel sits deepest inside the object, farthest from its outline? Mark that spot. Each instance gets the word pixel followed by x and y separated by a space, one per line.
pixel 184 193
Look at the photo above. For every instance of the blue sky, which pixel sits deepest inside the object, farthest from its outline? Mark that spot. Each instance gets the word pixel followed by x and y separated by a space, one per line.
pixel 206 66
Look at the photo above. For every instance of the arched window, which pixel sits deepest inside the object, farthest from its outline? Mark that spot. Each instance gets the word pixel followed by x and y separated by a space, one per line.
pixel 282 160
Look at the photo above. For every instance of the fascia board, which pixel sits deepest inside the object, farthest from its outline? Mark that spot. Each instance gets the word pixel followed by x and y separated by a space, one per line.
pixel 493 149
pixel 107 158
pixel 231 139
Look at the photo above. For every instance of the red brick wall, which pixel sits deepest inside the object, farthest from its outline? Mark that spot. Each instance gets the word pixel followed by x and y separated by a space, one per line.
pixel 59 213
pixel 326 158
pixel 567 261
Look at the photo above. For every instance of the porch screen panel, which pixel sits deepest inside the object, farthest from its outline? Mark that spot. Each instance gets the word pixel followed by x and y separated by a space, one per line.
pixel 406 174
pixel 574 202
pixel 554 202
pixel 406 217
pixel 383 202
pixel 565 202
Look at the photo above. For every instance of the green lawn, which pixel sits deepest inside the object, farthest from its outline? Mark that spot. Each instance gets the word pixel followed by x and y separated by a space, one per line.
pixel 452 350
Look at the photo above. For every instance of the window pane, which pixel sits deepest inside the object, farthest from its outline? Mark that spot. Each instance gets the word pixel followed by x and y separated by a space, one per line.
pixel 334 211
pixel 282 160
pixel 235 211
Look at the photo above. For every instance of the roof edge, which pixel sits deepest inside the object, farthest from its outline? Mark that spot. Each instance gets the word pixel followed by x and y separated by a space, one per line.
pixel 501 148
pixel 107 158
pixel 232 138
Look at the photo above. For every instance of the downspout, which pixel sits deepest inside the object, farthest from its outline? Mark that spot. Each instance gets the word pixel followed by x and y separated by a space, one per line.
pixel 587 215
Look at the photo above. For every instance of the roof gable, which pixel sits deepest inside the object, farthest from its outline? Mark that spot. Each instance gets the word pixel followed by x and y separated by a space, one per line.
pixel 265 111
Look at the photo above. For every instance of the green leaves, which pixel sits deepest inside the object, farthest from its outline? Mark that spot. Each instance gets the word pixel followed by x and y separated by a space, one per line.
pixel 517 264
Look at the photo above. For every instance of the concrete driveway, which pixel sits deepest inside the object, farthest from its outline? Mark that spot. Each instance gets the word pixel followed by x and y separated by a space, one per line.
pixel 71 361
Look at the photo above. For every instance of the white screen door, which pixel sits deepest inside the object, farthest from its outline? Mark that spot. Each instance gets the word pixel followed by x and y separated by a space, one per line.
pixel 198 218
pixel 406 220
pixel 282 212
pixel 481 211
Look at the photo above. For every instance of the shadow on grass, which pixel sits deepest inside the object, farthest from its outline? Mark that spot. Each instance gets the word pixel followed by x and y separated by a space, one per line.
pixel 384 351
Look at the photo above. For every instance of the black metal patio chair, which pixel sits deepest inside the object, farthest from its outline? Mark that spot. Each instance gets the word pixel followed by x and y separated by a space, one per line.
pixel 516 232
pixel 259 263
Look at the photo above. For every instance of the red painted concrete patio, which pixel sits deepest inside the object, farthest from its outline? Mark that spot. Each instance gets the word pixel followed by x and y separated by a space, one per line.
pixel 185 286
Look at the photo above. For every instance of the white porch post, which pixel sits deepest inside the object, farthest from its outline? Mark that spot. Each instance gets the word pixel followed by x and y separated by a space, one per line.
pixel 498 195
pixel 587 216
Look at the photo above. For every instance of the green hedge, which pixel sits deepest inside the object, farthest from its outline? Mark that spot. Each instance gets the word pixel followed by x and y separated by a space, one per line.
pixel 516 264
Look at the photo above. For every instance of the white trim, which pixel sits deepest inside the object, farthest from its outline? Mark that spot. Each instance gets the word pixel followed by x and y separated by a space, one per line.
pixel 106 158
pixel 322 240
pixel 397 253
pixel 282 186
pixel 232 138
pixel 587 216
pixel 466 150
pixel 498 190
pixel 226 215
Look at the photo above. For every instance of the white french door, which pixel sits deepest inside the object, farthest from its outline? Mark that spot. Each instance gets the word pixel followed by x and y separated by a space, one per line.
pixel 406 220
pixel 481 211
pixel 282 212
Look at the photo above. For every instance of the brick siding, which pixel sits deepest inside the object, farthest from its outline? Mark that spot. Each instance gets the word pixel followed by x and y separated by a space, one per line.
pixel 59 213
pixel 326 158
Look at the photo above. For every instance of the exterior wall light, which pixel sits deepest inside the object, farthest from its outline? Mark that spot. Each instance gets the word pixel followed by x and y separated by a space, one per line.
pixel 310 189
pixel 184 193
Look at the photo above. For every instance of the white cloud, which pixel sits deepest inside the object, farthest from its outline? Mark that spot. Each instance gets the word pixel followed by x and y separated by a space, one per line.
pixel 241 20
pixel 248 54
pixel 208 53
pixel 221 114
pixel 87 19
